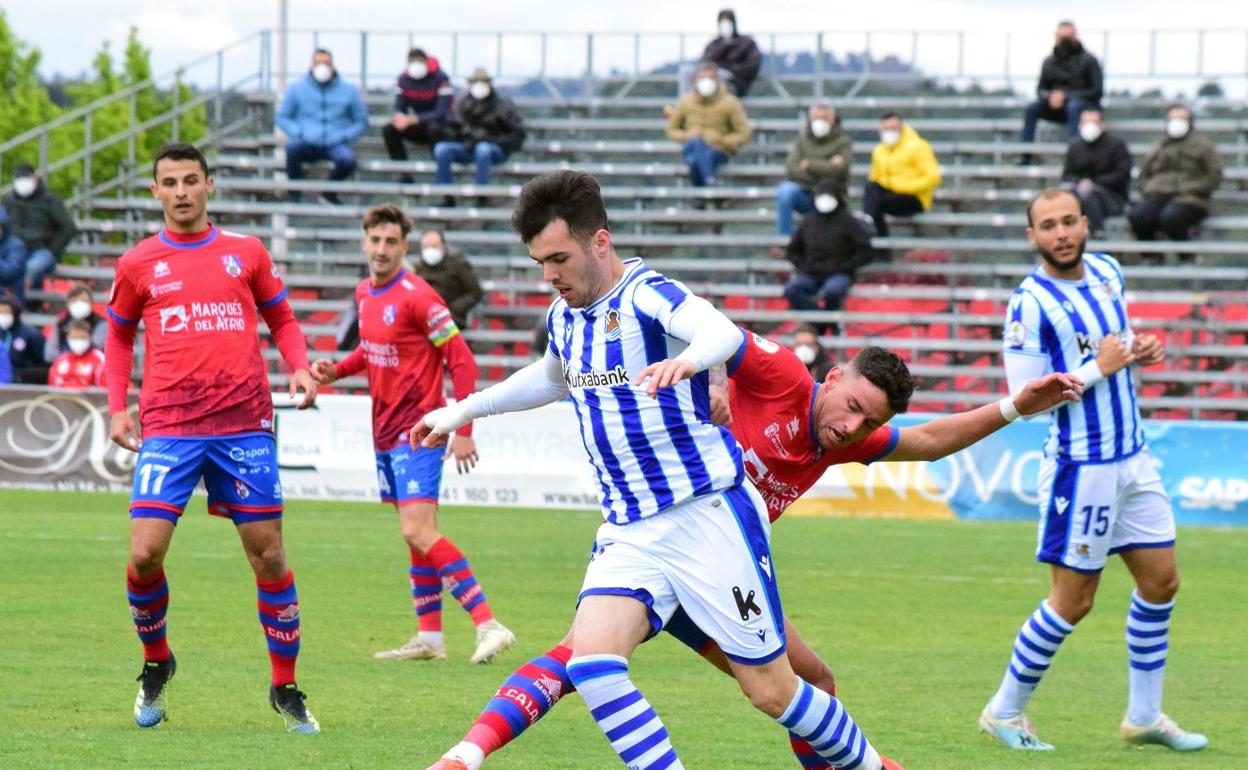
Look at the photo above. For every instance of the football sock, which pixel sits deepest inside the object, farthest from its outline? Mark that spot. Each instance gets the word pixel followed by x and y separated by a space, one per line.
pixel 279 617
pixel 1148 629
pixel 149 599
pixel 526 696
pixel 457 576
pixel 630 724
pixel 426 593
pixel 1037 642
pixel 824 723
pixel 806 755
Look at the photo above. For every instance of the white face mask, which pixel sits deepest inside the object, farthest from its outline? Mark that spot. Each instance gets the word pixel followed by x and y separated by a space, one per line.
pixel 479 89
pixel 890 137
pixel 707 87
pixel 1177 128
pixel 1090 132
pixel 432 255
pixel 417 70
pixel 825 203
pixel 322 73
pixel 726 29
pixel 6 321
pixel 79 309
pixel 820 127
pixel 79 345
pixel 805 353
pixel 24 186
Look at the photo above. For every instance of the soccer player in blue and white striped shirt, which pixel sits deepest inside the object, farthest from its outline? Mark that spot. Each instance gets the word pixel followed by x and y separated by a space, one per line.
pixel 631 348
pixel 1100 493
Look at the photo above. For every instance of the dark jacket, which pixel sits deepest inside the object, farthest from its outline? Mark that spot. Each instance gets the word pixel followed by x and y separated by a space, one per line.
pixel 492 119
pixel 1186 169
pixel 739 55
pixel 1107 162
pixel 825 244
pixel 41 220
pixel 819 152
pixel 24 346
pixel 456 282
pixel 428 98
pixel 58 340
pixel 1075 72
pixel 13 256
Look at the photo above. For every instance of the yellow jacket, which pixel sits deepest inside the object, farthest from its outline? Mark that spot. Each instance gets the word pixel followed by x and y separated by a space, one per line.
pixel 719 120
pixel 907 168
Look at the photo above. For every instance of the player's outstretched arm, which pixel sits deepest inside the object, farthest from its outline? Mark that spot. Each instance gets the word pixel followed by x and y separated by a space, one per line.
pixel 945 435
pixel 712 340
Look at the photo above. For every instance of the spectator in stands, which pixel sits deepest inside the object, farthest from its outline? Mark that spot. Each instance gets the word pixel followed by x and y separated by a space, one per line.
pixel 450 274
pixel 485 128
pixel 13 259
pixel 1070 81
pixel 735 55
pixel 711 125
pixel 21 347
pixel 829 246
pixel 1097 170
pixel 78 307
pixel 904 173
pixel 82 365
pixel 810 351
pixel 1176 181
pixel 822 153
pixel 39 218
pixel 422 106
pixel 322 115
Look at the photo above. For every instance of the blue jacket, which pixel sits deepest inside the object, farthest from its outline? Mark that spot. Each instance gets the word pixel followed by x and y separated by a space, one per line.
pixel 21 347
pixel 324 115
pixel 12 258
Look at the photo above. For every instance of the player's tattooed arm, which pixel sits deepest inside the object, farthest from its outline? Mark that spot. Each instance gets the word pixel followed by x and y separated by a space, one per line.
pixel 721 410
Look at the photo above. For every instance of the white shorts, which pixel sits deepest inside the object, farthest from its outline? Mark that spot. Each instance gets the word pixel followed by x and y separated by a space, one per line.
pixel 710 556
pixel 1089 511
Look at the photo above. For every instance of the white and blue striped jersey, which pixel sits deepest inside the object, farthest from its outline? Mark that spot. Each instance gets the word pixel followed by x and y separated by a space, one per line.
pixel 1063 322
pixel 648 454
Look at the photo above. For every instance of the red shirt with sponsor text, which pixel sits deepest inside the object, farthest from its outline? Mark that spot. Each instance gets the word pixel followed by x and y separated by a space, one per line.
pixel 197 295
pixel 772 396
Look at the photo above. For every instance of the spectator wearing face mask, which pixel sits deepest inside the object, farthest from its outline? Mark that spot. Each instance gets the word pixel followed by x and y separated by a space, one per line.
pixel 82 365
pixel 829 246
pixel 822 153
pixel 450 274
pixel 486 128
pixel 1097 170
pixel 1177 180
pixel 21 347
pixel 13 259
pixel 422 106
pixel 734 53
pixel 38 217
pixel 1070 82
pixel 322 115
pixel 711 126
pixel 810 351
pixel 904 174
pixel 78 307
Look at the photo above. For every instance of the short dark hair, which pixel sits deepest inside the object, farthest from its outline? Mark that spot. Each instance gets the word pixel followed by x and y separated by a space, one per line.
pixel 387 213
pixel 805 329
pixel 319 51
pixel 441 235
pixel 180 151
pixel 572 196
pixel 77 325
pixel 886 371
pixel 77 288
pixel 1048 194
pixel 417 53
pixel 889 115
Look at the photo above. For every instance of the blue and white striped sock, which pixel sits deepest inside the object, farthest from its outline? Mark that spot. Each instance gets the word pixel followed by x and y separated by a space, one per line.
pixel 824 723
pixel 1037 642
pixel 1148 630
pixel 635 731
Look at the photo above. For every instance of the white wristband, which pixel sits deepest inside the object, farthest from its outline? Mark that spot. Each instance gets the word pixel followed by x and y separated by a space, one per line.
pixel 1008 410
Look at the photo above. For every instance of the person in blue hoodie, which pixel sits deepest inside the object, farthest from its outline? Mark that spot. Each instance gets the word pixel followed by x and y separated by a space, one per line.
pixel 323 115
pixel 13 257
pixel 422 104
pixel 21 347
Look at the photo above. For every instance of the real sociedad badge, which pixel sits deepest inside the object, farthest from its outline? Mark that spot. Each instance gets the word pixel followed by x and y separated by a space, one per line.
pixel 387 315
pixel 613 325
pixel 232 265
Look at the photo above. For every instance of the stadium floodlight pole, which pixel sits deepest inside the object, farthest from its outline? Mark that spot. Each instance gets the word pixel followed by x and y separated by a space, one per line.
pixel 283 8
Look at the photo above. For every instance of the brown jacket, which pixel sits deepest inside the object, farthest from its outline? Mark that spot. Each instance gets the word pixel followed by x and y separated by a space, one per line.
pixel 819 153
pixel 720 120
pixel 1186 169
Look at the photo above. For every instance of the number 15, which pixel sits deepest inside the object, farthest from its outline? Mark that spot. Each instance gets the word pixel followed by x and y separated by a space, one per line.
pixel 1102 519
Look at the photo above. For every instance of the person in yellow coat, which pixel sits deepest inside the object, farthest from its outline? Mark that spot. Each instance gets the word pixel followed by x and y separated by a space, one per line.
pixel 710 124
pixel 904 172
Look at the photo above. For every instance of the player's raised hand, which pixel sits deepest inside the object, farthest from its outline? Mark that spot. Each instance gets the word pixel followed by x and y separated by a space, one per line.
pixel 664 374
pixel 721 410
pixel 1046 392
pixel 465 451
pixel 324 371
pixel 302 379
pixel 1148 349
pixel 123 431
pixel 1112 356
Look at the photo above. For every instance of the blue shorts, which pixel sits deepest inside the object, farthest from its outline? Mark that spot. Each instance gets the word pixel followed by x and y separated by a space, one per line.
pixel 239 472
pixel 406 475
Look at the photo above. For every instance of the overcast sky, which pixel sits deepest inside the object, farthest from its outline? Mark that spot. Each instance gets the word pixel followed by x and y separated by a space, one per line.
pixel 69 31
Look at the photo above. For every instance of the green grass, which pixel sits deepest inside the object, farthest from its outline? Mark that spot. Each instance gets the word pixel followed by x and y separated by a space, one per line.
pixel 916 618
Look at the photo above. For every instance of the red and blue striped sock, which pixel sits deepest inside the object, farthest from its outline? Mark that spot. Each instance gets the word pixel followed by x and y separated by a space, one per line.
pixel 149 599
pixel 279 617
pixel 426 592
pixel 523 699
pixel 457 576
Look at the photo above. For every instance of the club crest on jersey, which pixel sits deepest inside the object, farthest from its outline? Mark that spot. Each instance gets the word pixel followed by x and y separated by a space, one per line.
pixel 613 325
pixel 241 489
pixel 388 315
pixel 232 265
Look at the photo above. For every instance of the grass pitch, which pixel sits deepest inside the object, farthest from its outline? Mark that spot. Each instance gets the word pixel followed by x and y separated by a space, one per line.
pixel 916 619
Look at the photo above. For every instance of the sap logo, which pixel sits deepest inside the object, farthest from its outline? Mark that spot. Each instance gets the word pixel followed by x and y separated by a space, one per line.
pixel 173 319
pixel 1061 504
pixel 231 265
pixel 1198 493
